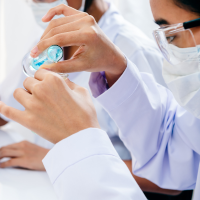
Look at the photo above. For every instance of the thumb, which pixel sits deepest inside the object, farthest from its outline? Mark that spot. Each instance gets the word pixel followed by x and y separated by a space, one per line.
pixel 67 66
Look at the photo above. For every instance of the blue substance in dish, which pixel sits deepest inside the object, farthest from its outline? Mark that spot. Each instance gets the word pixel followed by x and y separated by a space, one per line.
pixel 37 62
pixel 52 55
pixel 55 53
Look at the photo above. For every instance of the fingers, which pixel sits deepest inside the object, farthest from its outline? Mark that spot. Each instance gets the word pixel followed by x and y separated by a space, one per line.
pixel 13 146
pixel 6 152
pixel 14 162
pixel 50 78
pixel 67 66
pixel 22 96
pixel 75 26
pixel 74 38
pixel 71 85
pixel 42 73
pixel 62 21
pixel 59 10
pixel 73 34
pixel 12 113
pixel 29 83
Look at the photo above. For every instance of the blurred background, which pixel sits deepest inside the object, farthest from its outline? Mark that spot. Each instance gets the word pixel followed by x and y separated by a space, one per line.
pixel 19 32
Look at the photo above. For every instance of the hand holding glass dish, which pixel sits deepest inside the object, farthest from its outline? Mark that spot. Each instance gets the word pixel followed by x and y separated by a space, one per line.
pixel 51 55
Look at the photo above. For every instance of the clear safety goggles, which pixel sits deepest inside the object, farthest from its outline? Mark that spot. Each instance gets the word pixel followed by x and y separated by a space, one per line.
pixel 177 41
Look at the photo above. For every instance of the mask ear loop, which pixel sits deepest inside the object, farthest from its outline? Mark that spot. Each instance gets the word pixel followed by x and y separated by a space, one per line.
pixel 191 24
pixel 197 47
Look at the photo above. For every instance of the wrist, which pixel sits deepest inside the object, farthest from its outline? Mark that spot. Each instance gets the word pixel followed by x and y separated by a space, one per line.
pixel 74 131
pixel 117 70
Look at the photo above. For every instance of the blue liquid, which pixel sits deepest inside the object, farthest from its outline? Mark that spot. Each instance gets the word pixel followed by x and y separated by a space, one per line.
pixel 52 55
pixel 55 53
pixel 37 62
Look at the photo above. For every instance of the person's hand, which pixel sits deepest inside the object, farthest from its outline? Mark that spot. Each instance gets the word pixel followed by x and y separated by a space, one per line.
pixel 96 52
pixel 54 109
pixel 23 154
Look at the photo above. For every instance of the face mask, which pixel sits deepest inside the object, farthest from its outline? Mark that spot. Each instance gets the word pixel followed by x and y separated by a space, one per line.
pixel 40 9
pixel 184 79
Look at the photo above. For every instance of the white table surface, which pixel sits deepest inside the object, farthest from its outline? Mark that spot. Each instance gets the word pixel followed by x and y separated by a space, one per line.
pixel 18 184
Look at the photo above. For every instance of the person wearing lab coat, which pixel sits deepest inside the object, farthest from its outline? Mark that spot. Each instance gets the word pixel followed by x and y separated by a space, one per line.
pixel 134 44
pixel 162 136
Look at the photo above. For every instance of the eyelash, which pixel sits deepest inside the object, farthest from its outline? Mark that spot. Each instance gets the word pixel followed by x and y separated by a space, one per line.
pixel 171 39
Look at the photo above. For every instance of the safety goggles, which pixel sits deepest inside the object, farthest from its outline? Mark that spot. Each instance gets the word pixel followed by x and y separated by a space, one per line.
pixel 176 40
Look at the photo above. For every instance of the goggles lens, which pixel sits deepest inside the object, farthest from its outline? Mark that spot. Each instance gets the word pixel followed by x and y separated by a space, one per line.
pixel 176 44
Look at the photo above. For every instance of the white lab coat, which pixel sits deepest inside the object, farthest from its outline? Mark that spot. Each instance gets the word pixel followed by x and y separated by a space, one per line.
pixel 134 44
pixel 163 139
pixel 86 166
pixel 91 168
pixel 161 135
pixel 164 144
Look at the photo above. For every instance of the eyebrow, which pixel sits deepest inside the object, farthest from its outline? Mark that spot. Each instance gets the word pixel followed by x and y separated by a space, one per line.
pixel 161 22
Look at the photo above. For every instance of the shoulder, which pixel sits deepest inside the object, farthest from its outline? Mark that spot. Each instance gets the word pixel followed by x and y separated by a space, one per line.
pixel 131 40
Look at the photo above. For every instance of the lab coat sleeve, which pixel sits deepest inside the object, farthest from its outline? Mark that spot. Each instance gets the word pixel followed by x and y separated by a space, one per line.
pixel 162 137
pixel 149 61
pixel 85 166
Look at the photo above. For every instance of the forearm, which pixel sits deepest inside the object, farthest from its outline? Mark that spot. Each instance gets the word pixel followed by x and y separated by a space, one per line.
pixel 151 126
pixel 148 186
pixel 112 77
pixel 89 169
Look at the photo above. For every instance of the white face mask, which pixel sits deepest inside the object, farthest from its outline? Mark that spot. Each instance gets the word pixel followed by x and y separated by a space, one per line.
pixel 184 79
pixel 40 9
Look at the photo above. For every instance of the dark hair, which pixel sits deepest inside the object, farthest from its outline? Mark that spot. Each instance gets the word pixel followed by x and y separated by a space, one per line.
pixel 88 3
pixel 190 5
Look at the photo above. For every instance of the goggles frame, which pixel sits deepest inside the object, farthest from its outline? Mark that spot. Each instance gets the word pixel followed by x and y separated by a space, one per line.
pixel 173 29
pixel 179 26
